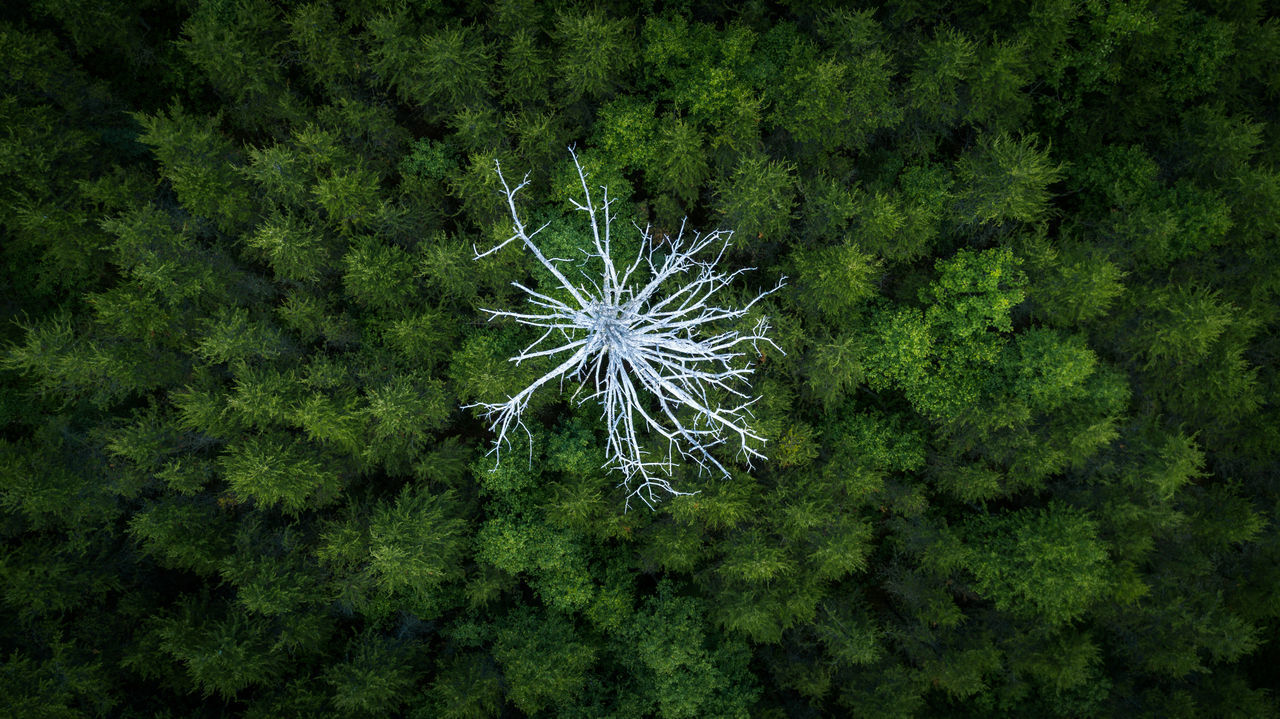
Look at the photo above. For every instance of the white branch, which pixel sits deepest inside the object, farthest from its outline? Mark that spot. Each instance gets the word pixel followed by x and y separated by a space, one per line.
pixel 637 338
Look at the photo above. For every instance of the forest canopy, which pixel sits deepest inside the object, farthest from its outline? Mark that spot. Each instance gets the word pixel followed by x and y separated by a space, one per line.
pixel 1020 406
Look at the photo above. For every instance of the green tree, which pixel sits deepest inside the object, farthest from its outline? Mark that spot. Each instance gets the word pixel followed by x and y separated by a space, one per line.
pixel 595 53
pixel 1045 564
pixel 373 680
pixel 757 199
pixel 1005 179
pixel 543 659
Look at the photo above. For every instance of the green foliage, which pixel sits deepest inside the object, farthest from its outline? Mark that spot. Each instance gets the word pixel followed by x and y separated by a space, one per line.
pixel 1190 321
pixel 901 225
pixel 401 551
pixel 273 472
pixel 1051 369
pixel 293 250
pixel 594 53
pixel 683 671
pixel 1005 179
pixel 377 275
pixel 441 71
pixel 234 337
pixel 679 166
pixel 467 687
pixel 543 660
pixel 1156 223
pixel 524 68
pixel 941 66
pixel 230 43
pixel 200 164
pixel 835 368
pixel 221 655
pixel 1073 284
pixel 705 74
pixel 943 358
pixel 555 562
pixel 349 197
pixel 1045 564
pixel 837 103
pixel 757 199
pixel 836 280
pixel 373 679
pixel 57 687
pixel 413 543
pixel 1021 420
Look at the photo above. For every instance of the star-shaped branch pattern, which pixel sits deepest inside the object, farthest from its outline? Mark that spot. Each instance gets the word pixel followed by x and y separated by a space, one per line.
pixel 643 338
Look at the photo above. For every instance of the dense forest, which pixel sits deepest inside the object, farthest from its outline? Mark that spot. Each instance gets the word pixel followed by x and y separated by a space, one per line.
pixel 1020 409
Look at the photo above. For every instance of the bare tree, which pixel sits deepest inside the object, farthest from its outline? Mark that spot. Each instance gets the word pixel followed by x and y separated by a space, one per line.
pixel 639 337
